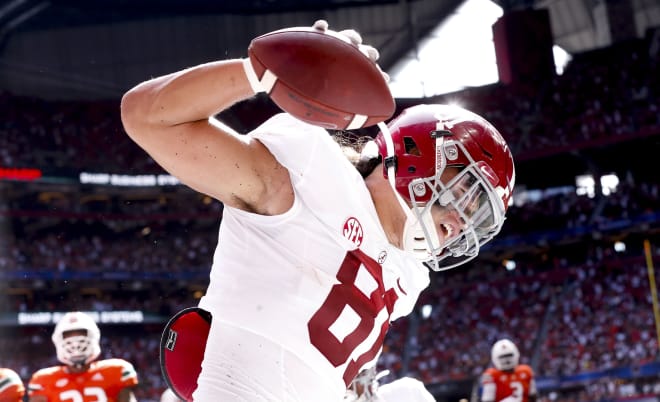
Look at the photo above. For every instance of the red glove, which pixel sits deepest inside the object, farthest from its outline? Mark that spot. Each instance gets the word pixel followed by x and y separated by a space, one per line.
pixel 182 350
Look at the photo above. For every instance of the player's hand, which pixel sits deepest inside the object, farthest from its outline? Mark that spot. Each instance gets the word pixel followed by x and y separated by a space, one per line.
pixel 351 36
pixel 356 39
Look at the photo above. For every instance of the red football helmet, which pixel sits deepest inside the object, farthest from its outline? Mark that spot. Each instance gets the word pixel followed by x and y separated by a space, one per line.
pixel 453 174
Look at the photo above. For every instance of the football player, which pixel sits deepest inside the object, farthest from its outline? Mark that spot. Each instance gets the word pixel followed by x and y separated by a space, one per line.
pixel 314 257
pixel 365 388
pixel 11 386
pixel 81 377
pixel 508 381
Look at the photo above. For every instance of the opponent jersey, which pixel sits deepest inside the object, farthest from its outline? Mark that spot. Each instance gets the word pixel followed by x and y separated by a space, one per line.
pixel 11 386
pixel 404 389
pixel 321 279
pixel 517 385
pixel 101 382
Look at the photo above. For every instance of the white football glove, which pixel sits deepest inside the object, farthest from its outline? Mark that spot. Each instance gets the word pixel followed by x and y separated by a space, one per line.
pixel 356 39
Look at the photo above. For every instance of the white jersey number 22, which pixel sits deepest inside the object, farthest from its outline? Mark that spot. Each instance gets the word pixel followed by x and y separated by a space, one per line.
pixel 75 396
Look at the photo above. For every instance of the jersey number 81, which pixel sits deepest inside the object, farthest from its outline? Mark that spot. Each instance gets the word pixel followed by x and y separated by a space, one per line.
pixel 373 310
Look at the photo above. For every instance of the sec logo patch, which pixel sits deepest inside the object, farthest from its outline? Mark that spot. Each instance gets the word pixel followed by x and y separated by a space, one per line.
pixel 353 231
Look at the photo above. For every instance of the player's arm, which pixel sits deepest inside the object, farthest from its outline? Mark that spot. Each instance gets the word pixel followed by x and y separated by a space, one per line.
pixel 36 390
pixel 168 117
pixel 488 393
pixel 488 388
pixel 126 395
pixel 128 379
pixel 11 386
pixel 532 390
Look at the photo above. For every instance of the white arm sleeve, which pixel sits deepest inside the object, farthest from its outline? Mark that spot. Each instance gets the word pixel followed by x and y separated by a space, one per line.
pixel 532 387
pixel 488 393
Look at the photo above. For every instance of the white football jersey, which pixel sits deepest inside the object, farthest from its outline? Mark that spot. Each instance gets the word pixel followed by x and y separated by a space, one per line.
pixel 321 279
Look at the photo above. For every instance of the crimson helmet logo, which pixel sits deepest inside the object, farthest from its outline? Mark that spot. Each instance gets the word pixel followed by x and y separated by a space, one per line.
pixel 353 231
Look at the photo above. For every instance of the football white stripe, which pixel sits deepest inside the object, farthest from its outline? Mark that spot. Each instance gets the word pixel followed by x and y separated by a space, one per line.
pixel 357 122
pixel 268 81
pixel 252 76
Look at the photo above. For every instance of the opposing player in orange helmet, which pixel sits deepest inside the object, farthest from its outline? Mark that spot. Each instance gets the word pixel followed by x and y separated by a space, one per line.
pixel 321 246
pixel 508 381
pixel 82 377
pixel 11 386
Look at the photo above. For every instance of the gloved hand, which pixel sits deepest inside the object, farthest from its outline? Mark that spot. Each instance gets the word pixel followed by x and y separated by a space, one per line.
pixel 351 36
pixel 356 39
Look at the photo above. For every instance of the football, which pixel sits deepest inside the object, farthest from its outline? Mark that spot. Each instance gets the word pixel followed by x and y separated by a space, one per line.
pixel 320 77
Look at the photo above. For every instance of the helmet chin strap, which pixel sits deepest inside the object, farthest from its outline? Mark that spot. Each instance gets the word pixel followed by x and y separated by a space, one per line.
pixel 414 236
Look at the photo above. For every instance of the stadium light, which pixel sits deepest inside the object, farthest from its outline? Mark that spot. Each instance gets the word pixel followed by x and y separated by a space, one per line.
pixel 426 311
pixel 619 246
pixel 510 265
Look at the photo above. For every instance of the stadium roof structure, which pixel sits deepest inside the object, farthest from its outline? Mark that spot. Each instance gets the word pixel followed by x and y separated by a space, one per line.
pixel 100 48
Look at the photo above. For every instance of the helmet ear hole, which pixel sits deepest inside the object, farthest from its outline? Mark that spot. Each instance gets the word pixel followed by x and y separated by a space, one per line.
pixel 411 146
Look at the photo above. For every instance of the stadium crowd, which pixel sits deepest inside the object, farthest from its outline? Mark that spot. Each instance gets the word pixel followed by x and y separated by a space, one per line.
pixel 604 95
pixel 574 308
pixel 572 304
